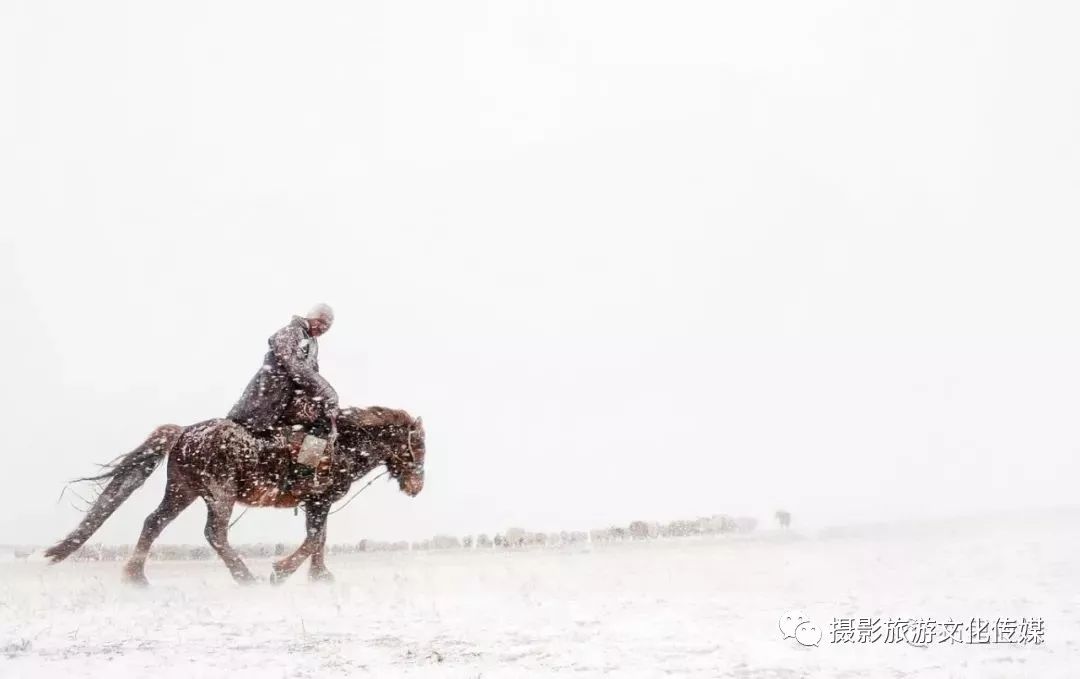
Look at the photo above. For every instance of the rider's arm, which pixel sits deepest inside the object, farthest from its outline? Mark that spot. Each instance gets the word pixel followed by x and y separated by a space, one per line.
pixel 286 345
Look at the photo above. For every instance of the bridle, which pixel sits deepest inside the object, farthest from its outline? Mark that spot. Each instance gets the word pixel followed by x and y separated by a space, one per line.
pixel 391 462
pixel 408 439
pixel 397 457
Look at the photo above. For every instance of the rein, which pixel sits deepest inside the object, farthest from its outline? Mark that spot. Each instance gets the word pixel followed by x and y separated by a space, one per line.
pixel 384 472
pixel 362 488
pixel 353 497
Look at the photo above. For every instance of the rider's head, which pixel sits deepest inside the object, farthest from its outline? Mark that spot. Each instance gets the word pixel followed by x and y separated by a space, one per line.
pixel 319 319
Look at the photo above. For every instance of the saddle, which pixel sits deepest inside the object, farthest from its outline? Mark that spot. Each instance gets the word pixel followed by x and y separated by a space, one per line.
pixel 305 442
pixel 303 460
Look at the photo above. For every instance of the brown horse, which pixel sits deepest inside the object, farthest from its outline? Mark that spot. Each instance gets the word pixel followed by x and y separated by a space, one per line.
pixel 219 461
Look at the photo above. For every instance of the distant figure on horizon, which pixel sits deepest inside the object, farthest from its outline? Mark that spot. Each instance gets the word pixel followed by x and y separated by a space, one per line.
pixel 783 518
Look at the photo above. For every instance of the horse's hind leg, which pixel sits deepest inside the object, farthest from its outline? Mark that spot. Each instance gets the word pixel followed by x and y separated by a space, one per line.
pixel 218 511
pixel 177 499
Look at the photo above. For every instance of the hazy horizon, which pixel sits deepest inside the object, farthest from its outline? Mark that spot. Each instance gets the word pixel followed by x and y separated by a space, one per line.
pixel 626 261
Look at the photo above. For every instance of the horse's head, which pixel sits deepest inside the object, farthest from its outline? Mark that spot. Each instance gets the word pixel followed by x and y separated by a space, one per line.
pixel 406 463
pixel 389 437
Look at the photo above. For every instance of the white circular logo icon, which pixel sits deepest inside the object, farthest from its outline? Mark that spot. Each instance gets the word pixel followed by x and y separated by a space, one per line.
pixel 790 621
pixel 808 634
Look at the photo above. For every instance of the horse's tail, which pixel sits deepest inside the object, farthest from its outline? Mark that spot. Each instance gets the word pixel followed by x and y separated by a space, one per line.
pixel 124 475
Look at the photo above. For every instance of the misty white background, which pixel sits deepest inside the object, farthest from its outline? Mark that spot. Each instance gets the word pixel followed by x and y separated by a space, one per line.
pixel 628 259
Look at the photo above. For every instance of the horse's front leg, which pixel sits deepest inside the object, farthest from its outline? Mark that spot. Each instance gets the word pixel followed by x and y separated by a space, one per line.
pixel 318 572
pixel 315 537
pixel 218 512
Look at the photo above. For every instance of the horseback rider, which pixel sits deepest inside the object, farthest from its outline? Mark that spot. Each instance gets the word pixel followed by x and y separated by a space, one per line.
pixel 288 392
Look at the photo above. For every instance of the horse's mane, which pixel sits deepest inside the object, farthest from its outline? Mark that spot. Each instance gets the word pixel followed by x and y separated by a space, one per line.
pixel 375 416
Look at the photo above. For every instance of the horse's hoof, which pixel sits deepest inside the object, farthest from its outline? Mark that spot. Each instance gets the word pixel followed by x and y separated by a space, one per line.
pixel 276 577
pixel 136 579
pixel 321 576
pixel 245 579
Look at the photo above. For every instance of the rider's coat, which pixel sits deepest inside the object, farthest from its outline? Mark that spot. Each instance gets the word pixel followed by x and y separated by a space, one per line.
pixel 291 367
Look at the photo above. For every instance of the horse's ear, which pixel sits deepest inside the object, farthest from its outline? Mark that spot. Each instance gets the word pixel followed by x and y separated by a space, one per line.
pixel 420 423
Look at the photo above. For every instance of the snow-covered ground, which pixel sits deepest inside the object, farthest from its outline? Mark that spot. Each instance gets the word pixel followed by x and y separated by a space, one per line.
pixel 679 608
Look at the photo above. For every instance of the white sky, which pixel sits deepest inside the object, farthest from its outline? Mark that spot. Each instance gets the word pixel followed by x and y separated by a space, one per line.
pixel 628 259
